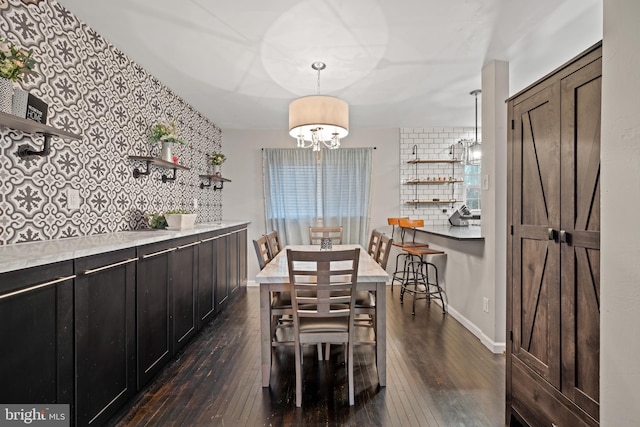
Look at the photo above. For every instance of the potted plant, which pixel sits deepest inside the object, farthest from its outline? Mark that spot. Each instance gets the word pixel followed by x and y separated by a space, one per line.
pixel 180 219
pixel 176 219
pixel 166 134
pixel 156 220
pixel 216 159
pixel 15 63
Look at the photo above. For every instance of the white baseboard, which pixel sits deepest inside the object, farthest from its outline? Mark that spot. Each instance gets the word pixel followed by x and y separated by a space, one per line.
pixel 494 347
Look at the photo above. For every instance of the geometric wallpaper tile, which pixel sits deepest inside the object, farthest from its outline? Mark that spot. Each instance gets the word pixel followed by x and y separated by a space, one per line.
pixel 95 90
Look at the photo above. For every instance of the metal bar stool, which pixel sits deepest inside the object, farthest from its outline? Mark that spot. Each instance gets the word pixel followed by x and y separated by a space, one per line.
pixel 404 224
pixel 423 275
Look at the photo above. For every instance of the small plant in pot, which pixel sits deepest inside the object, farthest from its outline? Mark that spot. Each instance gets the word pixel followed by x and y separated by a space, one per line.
pixel 216 160
pixel 156 220
pixel 166 134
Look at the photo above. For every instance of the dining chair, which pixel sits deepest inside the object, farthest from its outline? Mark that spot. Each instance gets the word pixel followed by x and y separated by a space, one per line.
pixel 273 241
pixel 316 234
pixel 261 246
pixel 366 300
pixel 373 242
pixel 323 296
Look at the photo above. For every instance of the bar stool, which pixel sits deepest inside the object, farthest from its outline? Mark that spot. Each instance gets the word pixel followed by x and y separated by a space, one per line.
pixel 404 224
pixel 423 275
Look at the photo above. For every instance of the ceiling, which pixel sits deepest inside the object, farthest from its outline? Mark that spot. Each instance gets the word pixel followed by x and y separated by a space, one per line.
pixel 400 63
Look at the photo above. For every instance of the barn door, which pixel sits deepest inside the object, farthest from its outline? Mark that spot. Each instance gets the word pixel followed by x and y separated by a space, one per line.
pixel 536 214
pixel 580 249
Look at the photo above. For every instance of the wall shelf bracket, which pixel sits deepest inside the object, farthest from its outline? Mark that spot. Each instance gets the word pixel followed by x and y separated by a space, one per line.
pixel 213 181
pixel 159 163
pixel 137 173
pixel 165 178
pixel 26 151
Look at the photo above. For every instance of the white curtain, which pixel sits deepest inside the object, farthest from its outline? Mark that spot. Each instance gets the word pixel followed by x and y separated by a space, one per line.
pixel 331 188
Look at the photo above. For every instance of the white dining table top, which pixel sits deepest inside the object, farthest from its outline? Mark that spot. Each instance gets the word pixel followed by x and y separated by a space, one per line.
pixel 277 271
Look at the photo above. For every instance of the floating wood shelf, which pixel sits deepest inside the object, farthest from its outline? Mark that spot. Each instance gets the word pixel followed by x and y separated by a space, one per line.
pixel 433 181
pixel 434 161
pixel 214 178
pixel 157 162
pixel 32 127
pixel 439 201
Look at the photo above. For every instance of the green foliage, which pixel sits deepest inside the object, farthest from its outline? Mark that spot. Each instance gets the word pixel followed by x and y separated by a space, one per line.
pixel 216 158
pixel 164 132
pixel 15 63
pixel 158 220
pixel 177 212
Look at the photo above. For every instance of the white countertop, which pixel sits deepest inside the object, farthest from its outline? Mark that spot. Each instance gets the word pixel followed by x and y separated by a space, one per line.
pixel 31 254
pixel 470 232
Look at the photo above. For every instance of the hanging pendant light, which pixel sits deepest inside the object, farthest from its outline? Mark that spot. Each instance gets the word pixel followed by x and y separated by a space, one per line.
pixel 473 154
pixel 317 119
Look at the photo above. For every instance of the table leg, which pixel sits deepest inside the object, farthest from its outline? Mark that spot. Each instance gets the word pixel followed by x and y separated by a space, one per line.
pixel 381 332
pixel 265 333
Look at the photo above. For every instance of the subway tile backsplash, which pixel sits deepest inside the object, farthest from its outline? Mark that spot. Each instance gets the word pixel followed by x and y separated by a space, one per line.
pixel 431 143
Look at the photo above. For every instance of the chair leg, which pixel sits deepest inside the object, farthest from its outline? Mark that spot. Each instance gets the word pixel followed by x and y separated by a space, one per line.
pixel 298 357
pixel 350 373
pixel 327 351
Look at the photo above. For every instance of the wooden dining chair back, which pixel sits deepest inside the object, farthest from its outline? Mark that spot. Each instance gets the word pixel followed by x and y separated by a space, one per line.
pixel 384 249
pixel 273 240
pixel 323 298
pixel 262 251
pixel 374 241
pixel 317 233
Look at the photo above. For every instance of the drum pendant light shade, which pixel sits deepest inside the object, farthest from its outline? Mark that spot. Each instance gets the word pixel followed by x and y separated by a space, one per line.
pixel 312 112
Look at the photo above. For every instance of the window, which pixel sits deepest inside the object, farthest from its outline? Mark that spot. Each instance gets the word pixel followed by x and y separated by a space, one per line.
pixel 302 189
pixel 472 182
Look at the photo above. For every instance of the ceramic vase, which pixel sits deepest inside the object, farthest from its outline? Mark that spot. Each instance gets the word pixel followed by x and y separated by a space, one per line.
pixel 6 95
pixel 216 170
pixel 166 153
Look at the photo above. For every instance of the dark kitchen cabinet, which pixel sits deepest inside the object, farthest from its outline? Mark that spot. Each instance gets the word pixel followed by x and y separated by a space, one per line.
pixel 206 303
pixel 153 308
pixel 183 291
pixel 104 335
pixel 553 265
pixel 242 254
pixel 222 270
pixel 234 262
pixel 36 335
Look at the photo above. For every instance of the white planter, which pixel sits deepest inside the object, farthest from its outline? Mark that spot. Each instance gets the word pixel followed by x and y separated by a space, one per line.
pixel 180 221
pixel 166 153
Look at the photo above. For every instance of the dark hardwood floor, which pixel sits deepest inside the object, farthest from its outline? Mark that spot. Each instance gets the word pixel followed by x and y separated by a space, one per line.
pixel 438 374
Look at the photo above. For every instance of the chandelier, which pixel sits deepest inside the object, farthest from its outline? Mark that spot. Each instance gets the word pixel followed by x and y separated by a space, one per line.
pixel 317 119
pixel 472 148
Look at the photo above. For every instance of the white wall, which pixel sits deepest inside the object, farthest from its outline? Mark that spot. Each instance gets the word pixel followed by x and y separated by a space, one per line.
pixel 620 196
pixel 243 198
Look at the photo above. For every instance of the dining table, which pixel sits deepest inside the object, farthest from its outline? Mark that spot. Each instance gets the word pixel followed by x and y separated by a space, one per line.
pixel 275 278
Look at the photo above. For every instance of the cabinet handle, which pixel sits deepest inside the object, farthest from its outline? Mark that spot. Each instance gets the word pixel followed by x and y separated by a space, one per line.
pixel 94 270
pixel 563 236
pixel 158 253
pixel 188 244
pixel 41 285
pixel 552 234
pixel 209 239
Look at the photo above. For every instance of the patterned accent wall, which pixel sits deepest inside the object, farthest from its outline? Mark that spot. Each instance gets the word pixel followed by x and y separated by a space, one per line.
pixel 95 90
